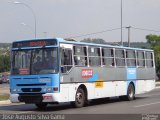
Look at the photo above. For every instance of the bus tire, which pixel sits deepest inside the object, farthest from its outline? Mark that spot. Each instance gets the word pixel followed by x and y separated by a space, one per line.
pixel 41 106
pixel 80 98
pixel 130 92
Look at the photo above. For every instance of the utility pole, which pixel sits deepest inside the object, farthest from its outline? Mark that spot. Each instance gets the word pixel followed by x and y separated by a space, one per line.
pixel 121 23
pixel 128 35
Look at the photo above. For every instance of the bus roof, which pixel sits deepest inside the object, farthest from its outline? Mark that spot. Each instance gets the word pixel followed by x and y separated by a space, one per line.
pixel 61 40
pixel 99 45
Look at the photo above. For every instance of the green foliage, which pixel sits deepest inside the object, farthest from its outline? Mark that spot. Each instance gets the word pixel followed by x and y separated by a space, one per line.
pixel 154 40
pixel 4 63
pixel 4 97
pixel 5 45
pixel 5 57
pixel 94 40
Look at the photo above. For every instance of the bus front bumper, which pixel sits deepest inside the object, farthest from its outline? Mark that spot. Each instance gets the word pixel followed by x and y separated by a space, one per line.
pixel 32 98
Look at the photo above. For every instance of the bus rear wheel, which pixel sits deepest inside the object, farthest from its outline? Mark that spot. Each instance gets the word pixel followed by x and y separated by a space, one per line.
pixel 80 98
pixel 41 105
pixel 130 92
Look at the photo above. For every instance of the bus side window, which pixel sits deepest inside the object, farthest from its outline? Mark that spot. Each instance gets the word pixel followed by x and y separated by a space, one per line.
pixel 80 56
pixel 94 56
pixel 149 59
pixel 108 57
pixel 120 57
pixel 140 59
pixel 131 58
pixel 66 60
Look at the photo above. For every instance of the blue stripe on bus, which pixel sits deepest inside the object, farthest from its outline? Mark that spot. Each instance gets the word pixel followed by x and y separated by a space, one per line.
pixel 94 78
pixel 131 76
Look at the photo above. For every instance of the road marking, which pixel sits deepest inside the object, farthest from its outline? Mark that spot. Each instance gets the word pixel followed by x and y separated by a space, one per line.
pixel 146 104
pixel 149 95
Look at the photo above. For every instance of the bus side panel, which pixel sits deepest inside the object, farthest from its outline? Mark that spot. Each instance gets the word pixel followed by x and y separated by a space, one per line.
pixel 104 82
pixel 140 86
pixel 121 88
pixel 64 91
pixel 150 85
pixel 145 82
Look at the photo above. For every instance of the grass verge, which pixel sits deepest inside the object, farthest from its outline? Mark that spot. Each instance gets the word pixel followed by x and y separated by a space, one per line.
pixel 4 97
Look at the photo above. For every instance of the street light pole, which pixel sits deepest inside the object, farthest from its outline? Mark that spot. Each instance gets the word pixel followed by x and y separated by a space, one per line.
pixel 128 35
pixel 34 15
pixel 121 23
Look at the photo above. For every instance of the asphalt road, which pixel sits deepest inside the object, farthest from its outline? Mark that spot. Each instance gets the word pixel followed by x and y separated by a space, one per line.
pixel 148 103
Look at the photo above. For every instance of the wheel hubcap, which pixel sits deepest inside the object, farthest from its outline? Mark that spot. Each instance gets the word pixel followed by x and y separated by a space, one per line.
pixel 79 97
pixel 130 92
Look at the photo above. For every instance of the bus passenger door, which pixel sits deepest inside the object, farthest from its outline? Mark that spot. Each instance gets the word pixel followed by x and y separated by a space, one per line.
pixel 67 72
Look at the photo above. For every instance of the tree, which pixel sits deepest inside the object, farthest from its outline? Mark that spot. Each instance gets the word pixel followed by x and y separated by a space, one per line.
pixel 94 40
pixel 4 59
pixel 4 63
pixel 154 40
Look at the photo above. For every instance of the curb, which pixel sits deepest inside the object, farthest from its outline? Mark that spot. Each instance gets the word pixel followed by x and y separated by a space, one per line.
pixel 5 102
pixel 157 83
pixel 158 87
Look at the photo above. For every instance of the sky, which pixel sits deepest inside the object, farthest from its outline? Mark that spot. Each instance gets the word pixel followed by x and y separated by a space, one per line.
pixel 69 18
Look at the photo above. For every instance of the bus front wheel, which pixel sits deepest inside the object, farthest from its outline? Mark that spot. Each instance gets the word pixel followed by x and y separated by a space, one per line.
pixel 79 98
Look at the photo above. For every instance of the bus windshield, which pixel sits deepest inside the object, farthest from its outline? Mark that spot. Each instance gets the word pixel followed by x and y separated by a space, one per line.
pixel 34 61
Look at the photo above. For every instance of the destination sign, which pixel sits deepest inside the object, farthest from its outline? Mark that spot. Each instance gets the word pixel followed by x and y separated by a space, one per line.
pixel 34 43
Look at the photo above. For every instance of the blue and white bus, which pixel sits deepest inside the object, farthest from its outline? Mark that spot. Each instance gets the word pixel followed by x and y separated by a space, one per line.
pixel 47 71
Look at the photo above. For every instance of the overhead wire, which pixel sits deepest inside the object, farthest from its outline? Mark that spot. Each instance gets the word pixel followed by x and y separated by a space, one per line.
pixel 144 29
pixel 109 30
pixel 94 33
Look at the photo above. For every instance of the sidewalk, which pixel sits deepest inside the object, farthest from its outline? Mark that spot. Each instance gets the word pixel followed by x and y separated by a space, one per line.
pixel 5 102
pixel 158 84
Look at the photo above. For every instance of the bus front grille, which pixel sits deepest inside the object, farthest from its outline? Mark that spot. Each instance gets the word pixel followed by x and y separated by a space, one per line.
pixel 31 89
pixel 41 84
pixel 30 98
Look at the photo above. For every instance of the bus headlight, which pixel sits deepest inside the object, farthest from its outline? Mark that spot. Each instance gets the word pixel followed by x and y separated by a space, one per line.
pixel 44 89
pixel 16 90
pixel 47 89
